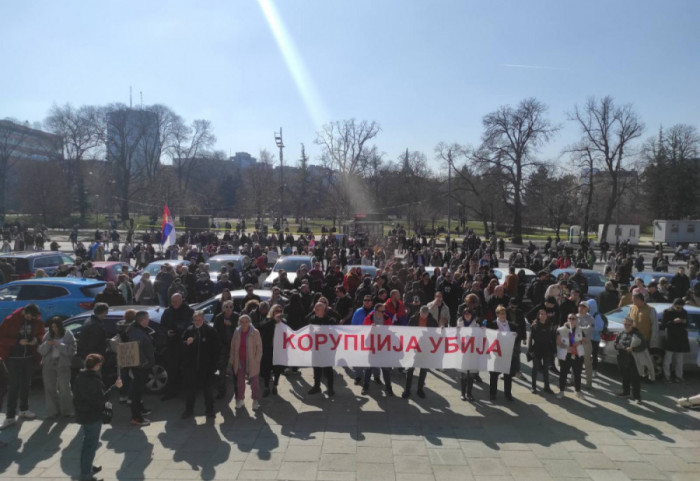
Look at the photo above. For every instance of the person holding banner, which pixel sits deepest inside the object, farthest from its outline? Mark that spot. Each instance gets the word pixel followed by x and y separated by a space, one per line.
pixel 467 378
pixel 378 317
pixel 570 352
pixel 422 318
pixel 502 324
pixel 320 317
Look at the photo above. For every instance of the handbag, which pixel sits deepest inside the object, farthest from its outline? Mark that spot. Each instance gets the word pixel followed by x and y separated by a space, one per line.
pixel 107 413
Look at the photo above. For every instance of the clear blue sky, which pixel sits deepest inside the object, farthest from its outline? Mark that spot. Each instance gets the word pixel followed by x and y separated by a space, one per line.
pixel 426 71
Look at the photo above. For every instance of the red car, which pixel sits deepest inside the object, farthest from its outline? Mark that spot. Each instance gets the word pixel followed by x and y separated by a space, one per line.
pixel 109 271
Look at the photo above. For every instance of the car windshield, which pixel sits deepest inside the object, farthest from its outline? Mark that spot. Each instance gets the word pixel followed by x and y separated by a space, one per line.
pixel 153 269
pixel 595 279
pixel 292 265
pixel 92 291
pixel 618 315
pixel 216 265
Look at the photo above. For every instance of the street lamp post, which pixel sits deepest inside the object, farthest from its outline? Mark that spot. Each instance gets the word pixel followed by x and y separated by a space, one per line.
pixel 280 144
pixel 449 197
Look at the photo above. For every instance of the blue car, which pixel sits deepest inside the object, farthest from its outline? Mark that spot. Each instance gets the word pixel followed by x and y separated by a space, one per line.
pixel 55 296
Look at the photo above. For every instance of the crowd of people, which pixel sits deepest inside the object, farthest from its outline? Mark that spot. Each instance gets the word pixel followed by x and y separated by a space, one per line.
pixel 421 286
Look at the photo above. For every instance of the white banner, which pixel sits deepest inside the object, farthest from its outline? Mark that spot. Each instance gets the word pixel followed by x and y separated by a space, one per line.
pixel 467 348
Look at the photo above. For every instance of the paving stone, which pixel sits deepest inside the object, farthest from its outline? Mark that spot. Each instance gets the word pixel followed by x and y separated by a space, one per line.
pixel 447 456
pixel 527 473
pixel 301 471
pixel 594 460
pixel 375 472
pixel 640 470
pixel 339 462
pixel 488 467
pixel 335 476
pixel 339 446
pixel 452 473
pixel 302 453
pixel 374 455
pixel 415 477
pixel 526 459
pixel 409 447
pixel 564 468
pixel 412 464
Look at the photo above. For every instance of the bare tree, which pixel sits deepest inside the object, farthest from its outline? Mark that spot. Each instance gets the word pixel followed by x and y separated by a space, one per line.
pixel 153 147
pixel 82 131
pixel 511 136
pixel 607 131
pixel 345 149
pixel 188 144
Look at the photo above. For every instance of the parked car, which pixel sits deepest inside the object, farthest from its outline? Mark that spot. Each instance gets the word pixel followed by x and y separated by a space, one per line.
pixel 158 376
pixel 647 277
pixel 240 263
pixel 55 296
pixel 109 270
pixel 366 270
pixel 154 268
pixel 502 273
pixel 26 264
pixel 209 305
pixel 290 264
pixel 596 280
pixel 615 326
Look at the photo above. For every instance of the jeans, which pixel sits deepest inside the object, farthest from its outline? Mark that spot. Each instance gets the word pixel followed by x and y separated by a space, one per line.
pixel 196 381
pixel 493 384
pixel 57 392
pixel 327 372
pixel 20 371
pixel 137 387
pixel 540 363
pixel 630 376
pixel 421 378
pixel 91 438
pixel 386 374
pixel 570 363
pixel 675 358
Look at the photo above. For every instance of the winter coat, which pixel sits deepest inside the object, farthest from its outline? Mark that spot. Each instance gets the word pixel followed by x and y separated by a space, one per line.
pixel 93 338
pixel 147 355
pixel 89 396
pixel 60 355
pixel 253 351
pixel 9 330
pixel 676 334
pixel 564 343
pixel 202 355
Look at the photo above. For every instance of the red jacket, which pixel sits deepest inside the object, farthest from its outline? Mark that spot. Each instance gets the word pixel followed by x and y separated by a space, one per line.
pixel 10 328
pixel 369 321
pixel 397 314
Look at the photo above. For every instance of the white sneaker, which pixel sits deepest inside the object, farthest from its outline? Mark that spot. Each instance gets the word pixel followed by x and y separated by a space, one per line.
pixel 560 395
pixel 239 403
pixel 256 405
pixel 8 422
pixel 27 414
pixel 580 395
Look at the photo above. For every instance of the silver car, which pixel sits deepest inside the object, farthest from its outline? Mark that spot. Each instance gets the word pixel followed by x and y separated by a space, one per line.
pixel 615 326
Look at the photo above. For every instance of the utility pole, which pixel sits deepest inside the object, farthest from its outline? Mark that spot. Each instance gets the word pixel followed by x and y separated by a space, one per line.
pixel 280 144
pixel 449 196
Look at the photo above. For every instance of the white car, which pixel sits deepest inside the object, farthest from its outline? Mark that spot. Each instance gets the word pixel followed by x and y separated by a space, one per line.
pixel 502 273
pixel 290 264
pixel 615 326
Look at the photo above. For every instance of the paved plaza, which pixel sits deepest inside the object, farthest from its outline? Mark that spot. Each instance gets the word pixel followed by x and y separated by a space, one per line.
pixel 351 437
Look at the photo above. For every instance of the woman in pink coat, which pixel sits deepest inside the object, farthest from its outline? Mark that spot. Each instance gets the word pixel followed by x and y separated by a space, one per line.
pixel 246 354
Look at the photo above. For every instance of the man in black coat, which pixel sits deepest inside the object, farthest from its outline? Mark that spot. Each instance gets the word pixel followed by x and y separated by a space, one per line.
pixel 320 317
pixel 200 349
pixel 175 319
pixel 93 337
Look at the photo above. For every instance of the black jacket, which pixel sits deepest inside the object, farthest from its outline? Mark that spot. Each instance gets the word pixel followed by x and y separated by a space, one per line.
pixel 413 321
pixel 89 396
pixel 676 334
pixel 177 320
pixel 202 355
pixel 542 339
pixel 225 333
pixel 93 338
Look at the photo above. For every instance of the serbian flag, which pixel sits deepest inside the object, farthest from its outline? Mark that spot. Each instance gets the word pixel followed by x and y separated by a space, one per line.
pixel 167 234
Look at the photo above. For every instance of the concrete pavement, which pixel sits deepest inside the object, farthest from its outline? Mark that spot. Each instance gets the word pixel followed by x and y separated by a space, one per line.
pixel 352 437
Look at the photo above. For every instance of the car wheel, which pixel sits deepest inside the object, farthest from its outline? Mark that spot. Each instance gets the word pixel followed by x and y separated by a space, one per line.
pixel 157 379
pixel 657 357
